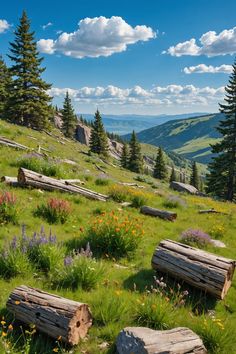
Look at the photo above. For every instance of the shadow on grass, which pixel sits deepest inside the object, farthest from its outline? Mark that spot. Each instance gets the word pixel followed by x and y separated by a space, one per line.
pixel 140 281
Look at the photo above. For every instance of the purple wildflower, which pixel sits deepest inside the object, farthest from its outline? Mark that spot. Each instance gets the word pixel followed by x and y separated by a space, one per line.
pixel 68 261
pixel 196 236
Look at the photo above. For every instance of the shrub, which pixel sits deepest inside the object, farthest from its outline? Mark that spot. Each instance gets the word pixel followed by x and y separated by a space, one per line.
pixel 122 193
pixel 79 270
pixel 13 262
pixel 138 198
pixel 119 193
pixel 8 211
pixel 55 211
pixel 195 237
pixel 102 181
pixel 217 231
pixel 37 164
pixel 114 235
pixel 174 202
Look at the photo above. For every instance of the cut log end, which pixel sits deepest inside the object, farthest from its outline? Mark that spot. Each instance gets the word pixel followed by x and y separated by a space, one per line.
pixel 79 325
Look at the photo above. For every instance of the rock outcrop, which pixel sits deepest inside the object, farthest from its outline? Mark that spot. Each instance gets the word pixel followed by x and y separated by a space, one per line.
pixel 183 187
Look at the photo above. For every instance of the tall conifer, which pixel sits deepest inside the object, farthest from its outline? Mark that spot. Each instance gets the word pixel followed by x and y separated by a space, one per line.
pixel 222 178
pixel 160 170
pixel 98 139
pixel 194 178
pixel 29 101
pixel 68 117
pixel 135 162
pixel 173 176
pixel 5 80
pixel 125 156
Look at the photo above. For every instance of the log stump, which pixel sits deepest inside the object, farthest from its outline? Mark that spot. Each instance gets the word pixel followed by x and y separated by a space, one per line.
pixel 163 214
pixel 51 314
pixel 142 340
pixel 201 269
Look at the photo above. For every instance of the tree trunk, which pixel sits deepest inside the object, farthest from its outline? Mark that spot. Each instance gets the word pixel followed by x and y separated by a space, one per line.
pixel 10 143
pixel 142 340
pixel 36 180
pixel 201 269
pixel 163 214
pixel 51 314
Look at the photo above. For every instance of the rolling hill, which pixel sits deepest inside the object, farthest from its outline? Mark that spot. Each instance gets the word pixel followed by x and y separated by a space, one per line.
pixel 190 138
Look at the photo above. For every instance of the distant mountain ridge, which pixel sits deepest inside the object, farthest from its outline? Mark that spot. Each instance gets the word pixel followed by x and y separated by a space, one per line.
pixel 190 138
pixel 125 123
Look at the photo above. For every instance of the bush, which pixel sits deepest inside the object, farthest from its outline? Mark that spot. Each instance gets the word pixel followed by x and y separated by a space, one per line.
pixel 114 235
pixel 174 202
pixel 102 181
pixel 55 211
pixel 119 193
pixel 79 270
pixel 137 198
pixel 45 167
pixel 195 238
pixel 122 194
pixel 8 211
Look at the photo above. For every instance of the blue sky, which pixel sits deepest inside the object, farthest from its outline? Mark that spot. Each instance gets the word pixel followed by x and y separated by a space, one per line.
pixel 142 57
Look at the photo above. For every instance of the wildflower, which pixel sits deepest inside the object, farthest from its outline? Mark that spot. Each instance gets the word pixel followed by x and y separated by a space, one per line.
pixel 55 350
pixel 68 261
pixel 118 292
pixel 4 334
pixel 10 327
pixel 17 302
pixel 59 338
pixel 3 323
pixel 154 306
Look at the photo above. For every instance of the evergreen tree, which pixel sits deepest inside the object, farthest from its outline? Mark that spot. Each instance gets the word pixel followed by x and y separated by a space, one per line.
pixel 98 139
pixel 194 178
pixel 173 176
pixel 160 170
pixel 135 162
pixel 29 101
pixel 125 156
pixel 222 178
pixel 5 80
pixel 68 118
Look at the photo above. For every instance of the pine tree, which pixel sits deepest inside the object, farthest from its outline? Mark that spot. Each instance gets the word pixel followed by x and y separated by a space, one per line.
pixel 173 176
pixel 194 178
pixel 29 101
pixel 5 80
pixel 68 118
pixel 135 162
pixel 222 178
pixel 98 139
pixel 160 170
pixel 125 156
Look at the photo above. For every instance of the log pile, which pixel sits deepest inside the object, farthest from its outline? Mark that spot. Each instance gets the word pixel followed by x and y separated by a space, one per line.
pixel 36 180
pixel 163 214
pixel 51 314
pixel 13 144
pixel 140 340
pixel 199 268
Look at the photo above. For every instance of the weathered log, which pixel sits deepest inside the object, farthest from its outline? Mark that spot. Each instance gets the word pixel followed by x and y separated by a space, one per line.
pixel 163 214
pixel 131 184
pixel 183 187
pixel 54 315
pixel 142 340
pixel 211 211
pixel 100 168
pixel 12 181
pixel 36 180
pixel 204 270
pixel 11 143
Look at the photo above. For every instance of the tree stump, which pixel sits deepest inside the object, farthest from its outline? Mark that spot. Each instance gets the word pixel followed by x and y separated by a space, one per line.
pixel 201 269
pixel 142 340
pixel 163 214
pixel 51 314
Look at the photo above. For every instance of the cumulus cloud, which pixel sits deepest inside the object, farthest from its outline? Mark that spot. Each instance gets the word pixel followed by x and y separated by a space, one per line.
pixel 171 95
pixel 95 37
pixel 210 44
pixel 4 26
pixel 203 68
pixel 49 24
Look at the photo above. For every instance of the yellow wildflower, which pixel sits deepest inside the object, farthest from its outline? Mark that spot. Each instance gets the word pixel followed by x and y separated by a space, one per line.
pixel 3 323
pixel 4 334
pixel 55 350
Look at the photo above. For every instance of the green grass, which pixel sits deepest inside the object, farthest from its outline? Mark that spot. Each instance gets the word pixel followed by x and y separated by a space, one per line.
pixel 126 283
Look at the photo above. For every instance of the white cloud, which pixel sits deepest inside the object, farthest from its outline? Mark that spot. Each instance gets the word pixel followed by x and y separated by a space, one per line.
pixel 211 44
pixel 171 95
pixel 49 24
pixel 95 37
pixel 4 26
pixel 203 68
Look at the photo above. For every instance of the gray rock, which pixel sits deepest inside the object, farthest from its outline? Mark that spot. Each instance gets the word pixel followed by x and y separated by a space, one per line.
pixel 183 187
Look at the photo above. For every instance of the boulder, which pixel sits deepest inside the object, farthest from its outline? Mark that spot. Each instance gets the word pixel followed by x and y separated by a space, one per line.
pixel 183 187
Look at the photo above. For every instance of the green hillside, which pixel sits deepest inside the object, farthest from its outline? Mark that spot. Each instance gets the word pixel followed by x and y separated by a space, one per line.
pixel 190 138
pixel 120 291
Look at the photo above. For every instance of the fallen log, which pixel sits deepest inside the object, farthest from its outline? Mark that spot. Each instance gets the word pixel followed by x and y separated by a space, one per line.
pixel 13 144
pixel 131 184
pixel 211 211
pixel 145 340
pixel 201 269
pixel 51 314
pixel 100 168
pixel 163 214
pixel 36 180
pixel 12 181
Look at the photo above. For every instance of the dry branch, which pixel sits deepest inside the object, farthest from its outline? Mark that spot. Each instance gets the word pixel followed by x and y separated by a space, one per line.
pixel 51 314
pixel 196 267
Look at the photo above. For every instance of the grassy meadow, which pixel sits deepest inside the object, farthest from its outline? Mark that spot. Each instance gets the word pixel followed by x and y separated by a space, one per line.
pixel 124 292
